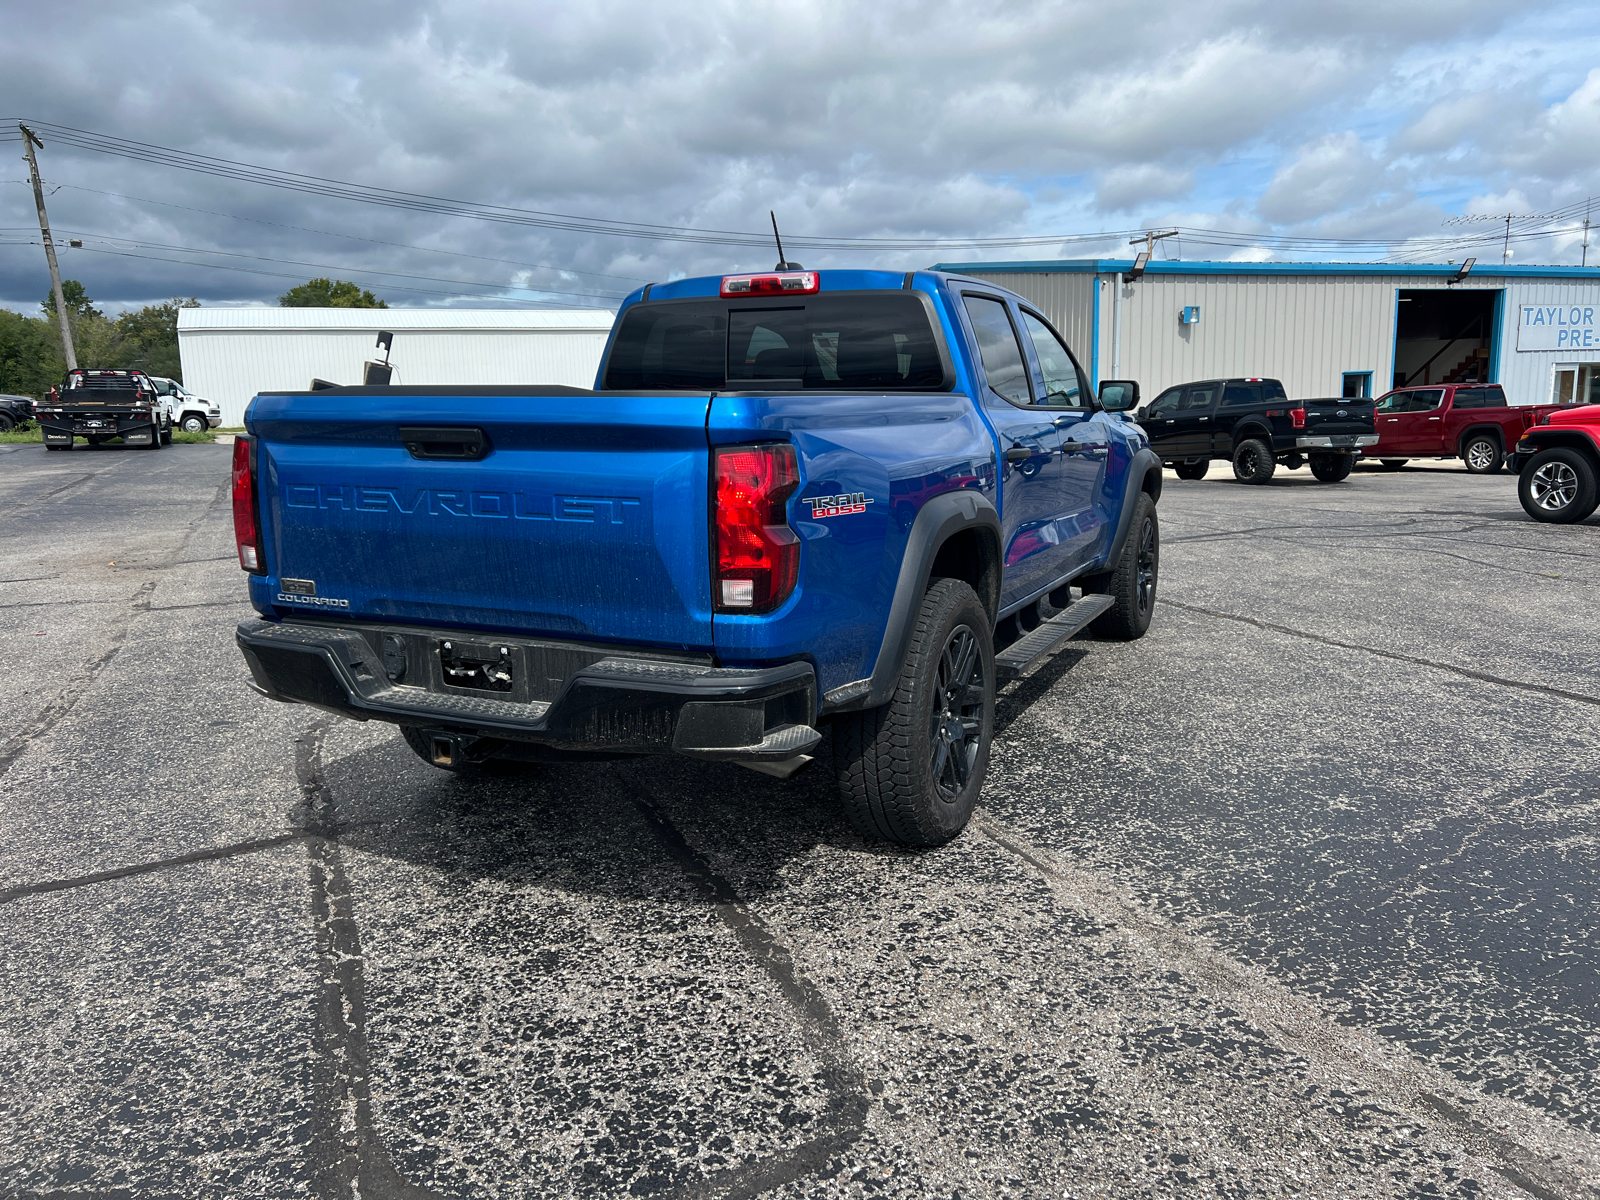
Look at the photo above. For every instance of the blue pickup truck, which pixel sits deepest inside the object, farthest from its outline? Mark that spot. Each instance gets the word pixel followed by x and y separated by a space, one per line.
pixel 792 499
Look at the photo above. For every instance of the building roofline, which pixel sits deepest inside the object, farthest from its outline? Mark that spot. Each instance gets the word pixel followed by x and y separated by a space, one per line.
pixel 1113 266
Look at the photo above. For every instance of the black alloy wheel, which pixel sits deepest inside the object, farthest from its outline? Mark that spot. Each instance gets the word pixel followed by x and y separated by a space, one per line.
pixel 956 723
pixel 1132 585
pixel 1253 462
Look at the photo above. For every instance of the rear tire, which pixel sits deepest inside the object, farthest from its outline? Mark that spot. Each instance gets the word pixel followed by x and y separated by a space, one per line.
pixel 1192 470
pixel 1482 454
pixel 1393 464
pixel 6 423
pixel 1253 461
pixel 1559 486
pixel 910 770
pixel 1132 584
pixel 1332 468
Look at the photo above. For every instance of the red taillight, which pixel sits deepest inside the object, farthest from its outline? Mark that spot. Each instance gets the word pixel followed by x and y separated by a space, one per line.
pixel 1297 418
pixel 245 533
pixel 789 283
pixel 758 555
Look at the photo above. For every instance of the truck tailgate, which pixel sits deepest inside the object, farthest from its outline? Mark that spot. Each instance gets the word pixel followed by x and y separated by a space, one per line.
pixel 586 516
pixel 1336 417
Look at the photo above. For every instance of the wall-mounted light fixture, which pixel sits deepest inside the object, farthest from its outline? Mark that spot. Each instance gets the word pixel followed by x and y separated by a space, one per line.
pixel 1189 315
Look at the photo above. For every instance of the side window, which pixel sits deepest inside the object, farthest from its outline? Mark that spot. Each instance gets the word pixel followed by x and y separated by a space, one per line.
pixel 1393 402
pixel 1166 403
pixel 1062 387
pixel 1199 398
pixel 1494 397
pixel 997 343
pixel 1426 399
pixel 1470 398
pixel 1240 395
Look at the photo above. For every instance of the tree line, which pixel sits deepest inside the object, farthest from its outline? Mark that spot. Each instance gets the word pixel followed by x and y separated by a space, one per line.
pixel 31 361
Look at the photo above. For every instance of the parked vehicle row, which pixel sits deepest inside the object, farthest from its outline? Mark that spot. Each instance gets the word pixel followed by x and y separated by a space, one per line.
pixel 1253 424
pixel 1471 422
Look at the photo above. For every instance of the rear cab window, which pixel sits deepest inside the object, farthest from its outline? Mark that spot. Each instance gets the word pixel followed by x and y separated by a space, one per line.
pixel 882 341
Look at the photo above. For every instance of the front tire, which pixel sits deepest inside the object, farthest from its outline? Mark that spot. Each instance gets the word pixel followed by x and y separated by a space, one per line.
pixel 1196 470
pixel 910 770
pixel 1253 461
pixel 1132 584
pixel 1332 468
pixel 194 424
pixel 1482 454
pixel 1558 486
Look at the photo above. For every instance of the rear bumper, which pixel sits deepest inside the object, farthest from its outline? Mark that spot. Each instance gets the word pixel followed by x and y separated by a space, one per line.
pixel 1337 442
pixel 63 427
pixel 568 696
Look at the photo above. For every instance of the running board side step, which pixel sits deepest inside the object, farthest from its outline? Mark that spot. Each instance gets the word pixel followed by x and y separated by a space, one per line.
pixel 1026 653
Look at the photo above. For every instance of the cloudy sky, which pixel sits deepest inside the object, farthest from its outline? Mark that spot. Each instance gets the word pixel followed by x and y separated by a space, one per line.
pixel 1363 125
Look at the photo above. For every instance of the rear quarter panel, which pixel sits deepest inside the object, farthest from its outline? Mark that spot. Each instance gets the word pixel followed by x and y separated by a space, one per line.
pixel 899 450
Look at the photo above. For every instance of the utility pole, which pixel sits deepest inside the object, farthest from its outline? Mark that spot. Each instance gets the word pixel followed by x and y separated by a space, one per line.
pixel 1586 211
pixel 29 141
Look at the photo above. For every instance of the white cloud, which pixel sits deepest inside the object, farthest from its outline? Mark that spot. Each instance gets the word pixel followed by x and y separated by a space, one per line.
pixel 903 118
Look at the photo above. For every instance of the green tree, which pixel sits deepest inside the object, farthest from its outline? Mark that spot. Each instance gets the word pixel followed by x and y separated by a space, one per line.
pixel 78 302
pixel 329 293
pixel 148 337
pixel 30 355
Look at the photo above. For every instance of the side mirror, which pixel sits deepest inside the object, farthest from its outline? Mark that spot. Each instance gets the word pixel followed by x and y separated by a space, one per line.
pixel 1119 395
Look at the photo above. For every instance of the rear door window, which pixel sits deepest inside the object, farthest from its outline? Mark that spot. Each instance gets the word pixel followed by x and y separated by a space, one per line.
pixel 997 344
pixel 1426 399
pixel 1242 395
pixel 1200 397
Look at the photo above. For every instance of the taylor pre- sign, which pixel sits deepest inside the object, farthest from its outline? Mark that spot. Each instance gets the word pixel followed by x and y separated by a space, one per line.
pixel 1557 327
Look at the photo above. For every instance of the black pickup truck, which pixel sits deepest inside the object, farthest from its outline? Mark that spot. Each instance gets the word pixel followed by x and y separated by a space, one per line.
pixel 1254 424
pixel 98 405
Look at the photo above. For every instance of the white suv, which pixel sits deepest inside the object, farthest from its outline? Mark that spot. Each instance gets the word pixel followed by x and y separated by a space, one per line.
pixel 187 411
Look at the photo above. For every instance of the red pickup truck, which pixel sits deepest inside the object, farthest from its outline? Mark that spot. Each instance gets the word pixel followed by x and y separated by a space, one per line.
pixel 1559 461
pixel 1471 422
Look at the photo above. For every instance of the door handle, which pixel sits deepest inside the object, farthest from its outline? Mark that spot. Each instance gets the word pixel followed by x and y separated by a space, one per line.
pixel 1018 454
pixel 1205 418
pixel 1435 418
pixel 1392 420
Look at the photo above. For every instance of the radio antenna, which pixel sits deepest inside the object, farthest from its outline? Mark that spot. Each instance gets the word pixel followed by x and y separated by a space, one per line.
pixel 783 263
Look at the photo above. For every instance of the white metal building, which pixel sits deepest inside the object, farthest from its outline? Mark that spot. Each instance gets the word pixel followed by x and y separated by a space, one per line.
pixel 230 354
pixel 1324 329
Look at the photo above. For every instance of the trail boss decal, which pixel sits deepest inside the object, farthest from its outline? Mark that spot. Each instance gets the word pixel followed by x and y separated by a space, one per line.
pixel 838 506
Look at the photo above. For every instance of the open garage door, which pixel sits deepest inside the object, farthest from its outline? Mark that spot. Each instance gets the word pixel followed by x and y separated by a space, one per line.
pixel 1444 336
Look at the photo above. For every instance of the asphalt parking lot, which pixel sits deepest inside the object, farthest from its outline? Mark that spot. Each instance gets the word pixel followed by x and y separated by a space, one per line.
pixel 1294 896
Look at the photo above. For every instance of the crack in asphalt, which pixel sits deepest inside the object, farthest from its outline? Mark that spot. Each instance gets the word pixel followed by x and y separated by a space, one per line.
pixel 1299 1025
pixel 345 1153
pixel 845 1114
pixel 233 850
pixel 847 1108
pixel 1395 655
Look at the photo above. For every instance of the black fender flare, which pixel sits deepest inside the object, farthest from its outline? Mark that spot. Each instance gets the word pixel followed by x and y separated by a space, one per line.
pixel 1247 429
pixel 938 520
pixel 1144 463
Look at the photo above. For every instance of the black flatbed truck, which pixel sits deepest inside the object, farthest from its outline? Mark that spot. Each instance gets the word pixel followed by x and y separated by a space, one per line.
pixel 98 405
